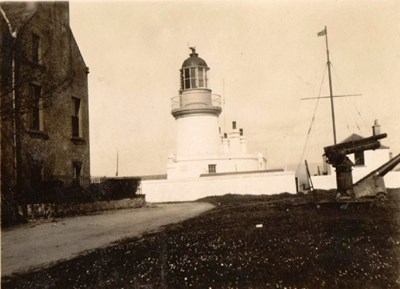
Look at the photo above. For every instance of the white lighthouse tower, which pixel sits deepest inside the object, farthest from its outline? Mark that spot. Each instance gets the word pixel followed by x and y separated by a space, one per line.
pixel 196 111
pixel 207 161
pixel 201 147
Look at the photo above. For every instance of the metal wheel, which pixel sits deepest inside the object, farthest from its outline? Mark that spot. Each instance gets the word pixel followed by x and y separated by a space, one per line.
pixel 381 197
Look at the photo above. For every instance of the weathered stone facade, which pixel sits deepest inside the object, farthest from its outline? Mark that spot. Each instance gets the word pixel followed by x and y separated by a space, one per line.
pixel 44 99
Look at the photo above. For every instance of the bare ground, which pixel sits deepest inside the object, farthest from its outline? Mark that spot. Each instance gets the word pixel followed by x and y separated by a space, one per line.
pixel 36 245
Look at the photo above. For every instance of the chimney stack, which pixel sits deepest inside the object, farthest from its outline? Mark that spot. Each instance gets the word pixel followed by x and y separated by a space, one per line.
pixel 376 128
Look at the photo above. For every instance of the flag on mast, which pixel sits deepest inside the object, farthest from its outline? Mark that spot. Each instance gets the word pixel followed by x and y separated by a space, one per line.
pixel 322 33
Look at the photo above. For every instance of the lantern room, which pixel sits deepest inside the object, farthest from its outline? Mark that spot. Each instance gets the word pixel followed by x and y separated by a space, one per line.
pixel 194 72
pixel 195 96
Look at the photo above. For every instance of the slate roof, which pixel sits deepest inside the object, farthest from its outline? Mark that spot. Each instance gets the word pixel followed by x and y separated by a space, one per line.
pixel 18 13
pixel 355 137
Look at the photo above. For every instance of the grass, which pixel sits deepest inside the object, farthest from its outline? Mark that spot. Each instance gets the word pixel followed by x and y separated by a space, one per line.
pixel 300 245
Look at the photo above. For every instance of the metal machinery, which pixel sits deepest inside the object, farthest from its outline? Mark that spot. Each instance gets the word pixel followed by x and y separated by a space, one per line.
pixel 371 185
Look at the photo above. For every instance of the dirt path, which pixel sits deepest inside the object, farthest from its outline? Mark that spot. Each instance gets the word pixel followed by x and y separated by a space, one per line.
pixel 28 247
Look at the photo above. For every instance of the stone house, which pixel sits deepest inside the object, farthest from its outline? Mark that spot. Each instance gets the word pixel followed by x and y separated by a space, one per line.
pixel 44 99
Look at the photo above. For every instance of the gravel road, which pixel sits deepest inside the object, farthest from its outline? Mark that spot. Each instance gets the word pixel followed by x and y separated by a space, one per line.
pixel 33 246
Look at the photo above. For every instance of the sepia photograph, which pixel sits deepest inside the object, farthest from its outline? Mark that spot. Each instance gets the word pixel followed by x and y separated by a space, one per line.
pixel 200 144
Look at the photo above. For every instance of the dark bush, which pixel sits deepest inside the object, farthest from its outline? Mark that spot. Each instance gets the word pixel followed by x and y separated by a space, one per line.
pixel 56 192
pixel 9 214
pixel 119 188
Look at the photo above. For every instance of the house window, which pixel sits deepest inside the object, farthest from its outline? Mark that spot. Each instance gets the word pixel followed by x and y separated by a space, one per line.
pixel 76 173
pixel 212 169
pixel 359 158
pixel 36 174
pixel 76 117
pixel 36 119
pixel 35 48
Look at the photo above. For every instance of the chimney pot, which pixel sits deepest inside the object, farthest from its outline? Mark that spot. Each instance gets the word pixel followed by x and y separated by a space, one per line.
pixel 376 128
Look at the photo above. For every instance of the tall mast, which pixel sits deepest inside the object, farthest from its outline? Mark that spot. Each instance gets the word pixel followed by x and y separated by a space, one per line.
pixel 330 87
pixel 331 96
pixel 330 83
pixel 116 174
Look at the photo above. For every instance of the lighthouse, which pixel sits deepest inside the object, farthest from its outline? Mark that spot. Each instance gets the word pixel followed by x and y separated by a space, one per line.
pixel 207 160
pixel 201 147
pixel 196 111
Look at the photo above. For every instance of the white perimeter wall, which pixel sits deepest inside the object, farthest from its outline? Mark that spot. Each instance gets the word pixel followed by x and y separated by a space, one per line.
pixel 373 160
pixel 264 183
pixel 392 180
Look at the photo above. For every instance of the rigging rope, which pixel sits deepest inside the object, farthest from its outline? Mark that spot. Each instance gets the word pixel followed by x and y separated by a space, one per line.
pixel 312 121
pixel 351 102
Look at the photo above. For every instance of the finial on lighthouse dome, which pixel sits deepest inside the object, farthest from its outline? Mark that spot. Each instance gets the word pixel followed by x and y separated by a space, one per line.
pixel 194 59
pixel 193 51
pixel 194 72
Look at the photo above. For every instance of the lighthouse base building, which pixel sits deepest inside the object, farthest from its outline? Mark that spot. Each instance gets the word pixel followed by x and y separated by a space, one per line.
pixel 231 156
pixel 208 162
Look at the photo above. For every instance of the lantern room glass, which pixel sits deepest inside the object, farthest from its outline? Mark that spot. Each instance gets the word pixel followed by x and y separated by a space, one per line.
pixel 195 77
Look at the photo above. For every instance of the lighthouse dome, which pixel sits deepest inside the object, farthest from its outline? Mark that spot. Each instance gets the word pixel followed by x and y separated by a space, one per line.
pixel 194 60
pixel 194 72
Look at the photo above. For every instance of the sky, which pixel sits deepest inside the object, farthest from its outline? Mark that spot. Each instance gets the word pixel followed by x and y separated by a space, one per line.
pixel 264 57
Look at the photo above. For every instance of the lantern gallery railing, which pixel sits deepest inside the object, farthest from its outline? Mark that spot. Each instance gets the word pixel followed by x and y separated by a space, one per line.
pixel 197 100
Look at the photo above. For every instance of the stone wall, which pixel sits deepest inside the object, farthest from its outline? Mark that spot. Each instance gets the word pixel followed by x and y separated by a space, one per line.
pixel 61 74
pixel 37 211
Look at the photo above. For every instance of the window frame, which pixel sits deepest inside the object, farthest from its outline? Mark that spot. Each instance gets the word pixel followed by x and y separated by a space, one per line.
pixel 36 112
pixel 212 168
pixel 37 174
pixel 77 168
pixel 359 158
pixel 36 48
pixel 76 117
